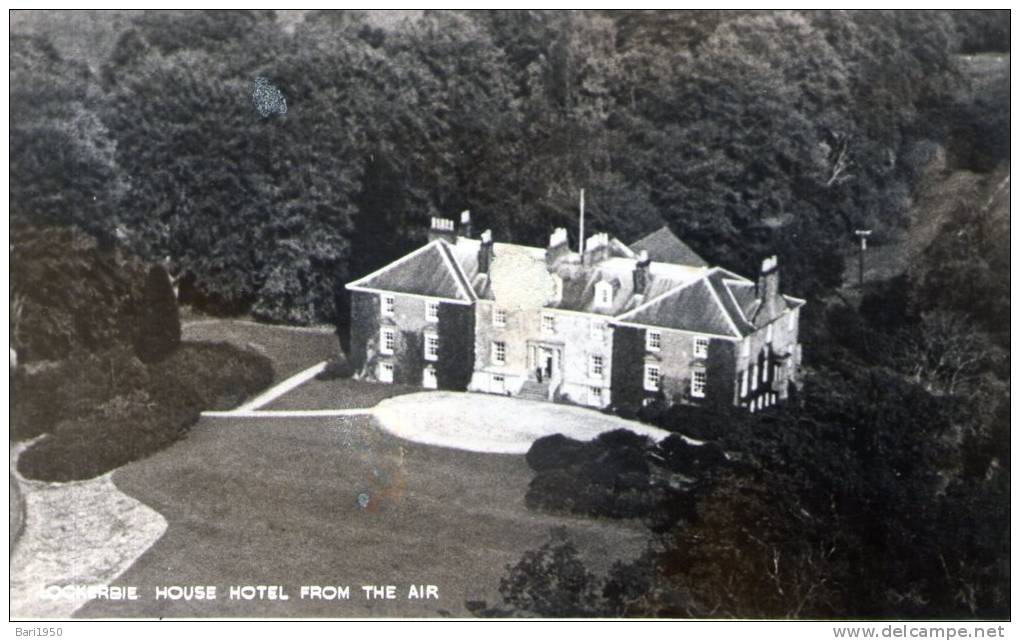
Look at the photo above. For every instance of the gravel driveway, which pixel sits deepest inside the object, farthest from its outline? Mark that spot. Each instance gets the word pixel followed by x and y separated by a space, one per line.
pixel 493 424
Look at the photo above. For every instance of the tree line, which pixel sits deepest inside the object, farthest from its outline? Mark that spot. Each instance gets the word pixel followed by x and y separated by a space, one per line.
pixel 748 133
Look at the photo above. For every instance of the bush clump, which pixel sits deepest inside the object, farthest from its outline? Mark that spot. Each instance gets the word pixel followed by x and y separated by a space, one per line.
pixel 620 474
pixel 46 392
pixel 554 451
pixel 101 411
pixel 122 430
pixel 221 376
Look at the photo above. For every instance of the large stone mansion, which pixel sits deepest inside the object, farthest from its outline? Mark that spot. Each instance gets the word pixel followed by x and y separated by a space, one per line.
pixel 609 324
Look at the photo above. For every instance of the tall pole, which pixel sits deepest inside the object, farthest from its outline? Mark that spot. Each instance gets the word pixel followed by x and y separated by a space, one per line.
pixel 863 235
pixel 860 263
pixel 580 241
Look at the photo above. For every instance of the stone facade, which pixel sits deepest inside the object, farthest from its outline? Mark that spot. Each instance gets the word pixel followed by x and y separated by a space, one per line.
pixel 568 353
pixel 402 341
pixel 617 330
pixel 768 363
pixel 656 363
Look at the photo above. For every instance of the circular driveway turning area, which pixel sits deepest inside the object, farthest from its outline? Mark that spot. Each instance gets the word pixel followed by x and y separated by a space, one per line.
pixel 493 424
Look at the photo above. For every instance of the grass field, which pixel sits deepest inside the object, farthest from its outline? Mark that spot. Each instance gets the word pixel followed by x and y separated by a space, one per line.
pixel 275 501
pixel 290 349
pixel 339 394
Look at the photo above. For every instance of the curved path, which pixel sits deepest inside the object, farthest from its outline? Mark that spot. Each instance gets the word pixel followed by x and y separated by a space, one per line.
pixel 77 533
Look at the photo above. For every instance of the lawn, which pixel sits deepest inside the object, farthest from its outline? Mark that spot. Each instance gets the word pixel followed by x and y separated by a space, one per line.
pixel 290 349
pixel 338 394
pixel 275 501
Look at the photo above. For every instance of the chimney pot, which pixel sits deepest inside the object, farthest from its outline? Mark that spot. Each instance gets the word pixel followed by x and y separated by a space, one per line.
pixel 768 288
pixel 441 228
pixel 485 252
pixel 596 249
pixel 641 272
pixel 557 246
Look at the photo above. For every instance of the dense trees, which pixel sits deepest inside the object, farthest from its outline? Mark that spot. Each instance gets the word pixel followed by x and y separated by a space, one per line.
pixel 70 295
pixel 747 132
pixel 872 498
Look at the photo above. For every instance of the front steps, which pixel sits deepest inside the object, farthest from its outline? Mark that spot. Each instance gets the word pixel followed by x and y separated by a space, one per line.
pixel 534 391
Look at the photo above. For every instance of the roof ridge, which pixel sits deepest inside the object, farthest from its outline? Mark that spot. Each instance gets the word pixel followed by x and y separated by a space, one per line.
pixel 661 296
pixel 719 303
pixel 387 267
pixel 458 273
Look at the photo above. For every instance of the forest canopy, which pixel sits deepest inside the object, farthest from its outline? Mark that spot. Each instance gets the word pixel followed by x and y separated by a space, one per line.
pixel 748 133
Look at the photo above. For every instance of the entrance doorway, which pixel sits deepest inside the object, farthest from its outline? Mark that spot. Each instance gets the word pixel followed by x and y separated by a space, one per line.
pixel 544 362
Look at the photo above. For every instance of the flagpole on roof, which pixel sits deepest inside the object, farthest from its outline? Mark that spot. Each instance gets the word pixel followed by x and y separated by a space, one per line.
pixel 580 241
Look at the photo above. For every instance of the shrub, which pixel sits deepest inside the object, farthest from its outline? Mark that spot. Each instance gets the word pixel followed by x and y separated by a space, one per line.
pixel 620 474
pixel 680 456
pixel 552 581
pixel 704 423
pixel 105 410
pixel 122 430
pixel 220 376
pixel 554 451
pixel 610 476
pixel 159 322
pixel 47 392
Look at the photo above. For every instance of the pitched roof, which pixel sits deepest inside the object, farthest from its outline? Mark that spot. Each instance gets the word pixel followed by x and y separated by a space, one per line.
pixel 743 302
pixel 694 307
pixel 428 271
pixel 675 296
pixel 663 246
pixel 579 281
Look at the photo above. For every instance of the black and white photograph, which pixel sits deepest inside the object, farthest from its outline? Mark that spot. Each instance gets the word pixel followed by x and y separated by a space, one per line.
pixel 629 314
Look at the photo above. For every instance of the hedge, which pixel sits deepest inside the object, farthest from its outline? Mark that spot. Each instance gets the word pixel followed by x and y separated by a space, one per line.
pixel 101 411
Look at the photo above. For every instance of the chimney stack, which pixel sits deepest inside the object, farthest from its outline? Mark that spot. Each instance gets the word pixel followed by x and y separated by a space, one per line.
pixel 768 287
pixel 485 252
pixel 558 246
pixel 465 223
pixel 641 272
pixel 596 249
pixel 442 228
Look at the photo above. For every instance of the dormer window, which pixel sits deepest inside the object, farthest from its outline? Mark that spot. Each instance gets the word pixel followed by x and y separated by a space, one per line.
pixel 603 294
